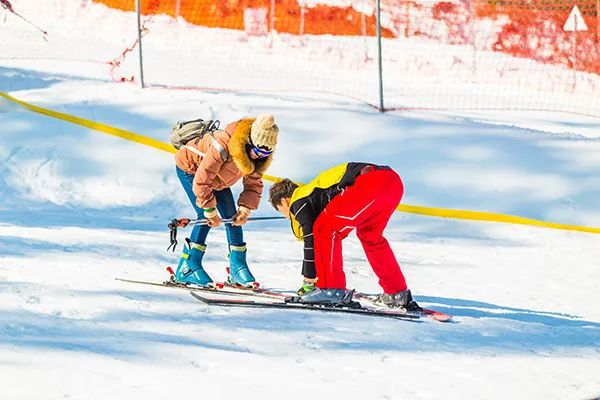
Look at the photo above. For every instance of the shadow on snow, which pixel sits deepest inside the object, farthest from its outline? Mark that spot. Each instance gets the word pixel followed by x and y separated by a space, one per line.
pixel 482 328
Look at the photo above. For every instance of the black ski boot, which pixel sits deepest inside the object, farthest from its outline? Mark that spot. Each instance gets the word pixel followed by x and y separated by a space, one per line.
pixel 401 299
pixel 326 297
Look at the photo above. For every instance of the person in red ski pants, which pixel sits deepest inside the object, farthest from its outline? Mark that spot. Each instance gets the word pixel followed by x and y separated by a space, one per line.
pixel 349 196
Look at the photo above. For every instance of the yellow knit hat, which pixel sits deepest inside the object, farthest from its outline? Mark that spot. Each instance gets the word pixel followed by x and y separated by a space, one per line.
pixel 264 132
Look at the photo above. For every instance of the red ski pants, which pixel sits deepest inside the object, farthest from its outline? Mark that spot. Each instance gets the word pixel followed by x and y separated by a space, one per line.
pixel 367 207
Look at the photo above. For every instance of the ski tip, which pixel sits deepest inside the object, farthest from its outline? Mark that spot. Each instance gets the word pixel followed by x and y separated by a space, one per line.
pixel 170 270
pixel 443 318
pixel 437 316
pixel 198 297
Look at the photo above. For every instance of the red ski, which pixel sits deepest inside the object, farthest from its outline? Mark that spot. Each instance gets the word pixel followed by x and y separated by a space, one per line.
pixel 431 314
pixel 353 308
pixel 220 287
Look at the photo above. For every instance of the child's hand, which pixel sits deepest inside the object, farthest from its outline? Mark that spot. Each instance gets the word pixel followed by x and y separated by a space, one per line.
pixel 241 216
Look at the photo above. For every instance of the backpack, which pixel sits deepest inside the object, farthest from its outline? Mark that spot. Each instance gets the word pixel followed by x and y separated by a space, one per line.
pixel 184 131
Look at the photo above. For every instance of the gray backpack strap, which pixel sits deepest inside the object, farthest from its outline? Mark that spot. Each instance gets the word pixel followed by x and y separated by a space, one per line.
pixel 195 150
pixel 220 148
pixel 224 154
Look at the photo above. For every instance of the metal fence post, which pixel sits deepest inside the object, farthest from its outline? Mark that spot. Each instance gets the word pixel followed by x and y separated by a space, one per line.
pixel 272 22
pixel 472 36
pixel 379 59
pixel 139 26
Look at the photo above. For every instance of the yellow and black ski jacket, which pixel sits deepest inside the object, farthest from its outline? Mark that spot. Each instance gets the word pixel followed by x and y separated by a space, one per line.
pixel 308 201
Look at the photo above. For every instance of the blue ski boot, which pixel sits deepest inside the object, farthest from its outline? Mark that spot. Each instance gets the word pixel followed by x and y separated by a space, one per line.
pixel 189 270
pixel 239 273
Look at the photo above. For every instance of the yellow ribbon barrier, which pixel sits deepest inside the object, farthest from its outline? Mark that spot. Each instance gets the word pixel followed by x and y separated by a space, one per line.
pixel 429 211
pixel 97 126
pixel 490 217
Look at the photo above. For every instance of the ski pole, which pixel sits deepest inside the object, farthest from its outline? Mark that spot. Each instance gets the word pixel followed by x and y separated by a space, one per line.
pixel 183 222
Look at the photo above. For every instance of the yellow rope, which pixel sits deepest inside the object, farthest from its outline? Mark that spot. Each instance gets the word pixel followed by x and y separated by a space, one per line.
pixel 430 211
pixel 97 126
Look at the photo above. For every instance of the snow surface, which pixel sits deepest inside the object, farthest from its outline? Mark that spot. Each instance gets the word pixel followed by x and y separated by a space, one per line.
pixel 80 208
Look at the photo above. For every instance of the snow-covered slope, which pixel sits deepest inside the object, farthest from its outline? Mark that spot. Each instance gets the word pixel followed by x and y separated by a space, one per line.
pixel 79 208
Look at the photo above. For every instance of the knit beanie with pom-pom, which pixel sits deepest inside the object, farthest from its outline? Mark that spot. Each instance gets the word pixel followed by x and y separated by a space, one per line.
pixel 264 132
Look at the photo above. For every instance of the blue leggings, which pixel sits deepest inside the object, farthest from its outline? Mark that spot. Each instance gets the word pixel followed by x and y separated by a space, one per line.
pixel 225 205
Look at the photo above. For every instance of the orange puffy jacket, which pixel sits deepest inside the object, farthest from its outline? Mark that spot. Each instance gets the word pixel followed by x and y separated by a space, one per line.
pixel 213 173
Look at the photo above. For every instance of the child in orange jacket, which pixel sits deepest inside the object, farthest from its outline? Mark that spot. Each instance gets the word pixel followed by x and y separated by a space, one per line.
pixel 207 168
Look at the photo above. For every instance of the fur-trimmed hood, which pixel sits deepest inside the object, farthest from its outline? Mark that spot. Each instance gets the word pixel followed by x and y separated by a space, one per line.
pixel 212 173
pixel 237 146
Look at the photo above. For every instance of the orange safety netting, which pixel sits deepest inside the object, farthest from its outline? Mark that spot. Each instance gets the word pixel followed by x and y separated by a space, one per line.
pixel 229 14
pixel 534 29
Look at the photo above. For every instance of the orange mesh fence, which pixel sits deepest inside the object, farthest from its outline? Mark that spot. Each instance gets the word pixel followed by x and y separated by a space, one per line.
pixel 290 16
pixel 437 55
pixel 535 31
pixel 459 54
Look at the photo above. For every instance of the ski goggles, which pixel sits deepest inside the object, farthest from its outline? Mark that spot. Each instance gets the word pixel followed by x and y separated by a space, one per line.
pixel 261 152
